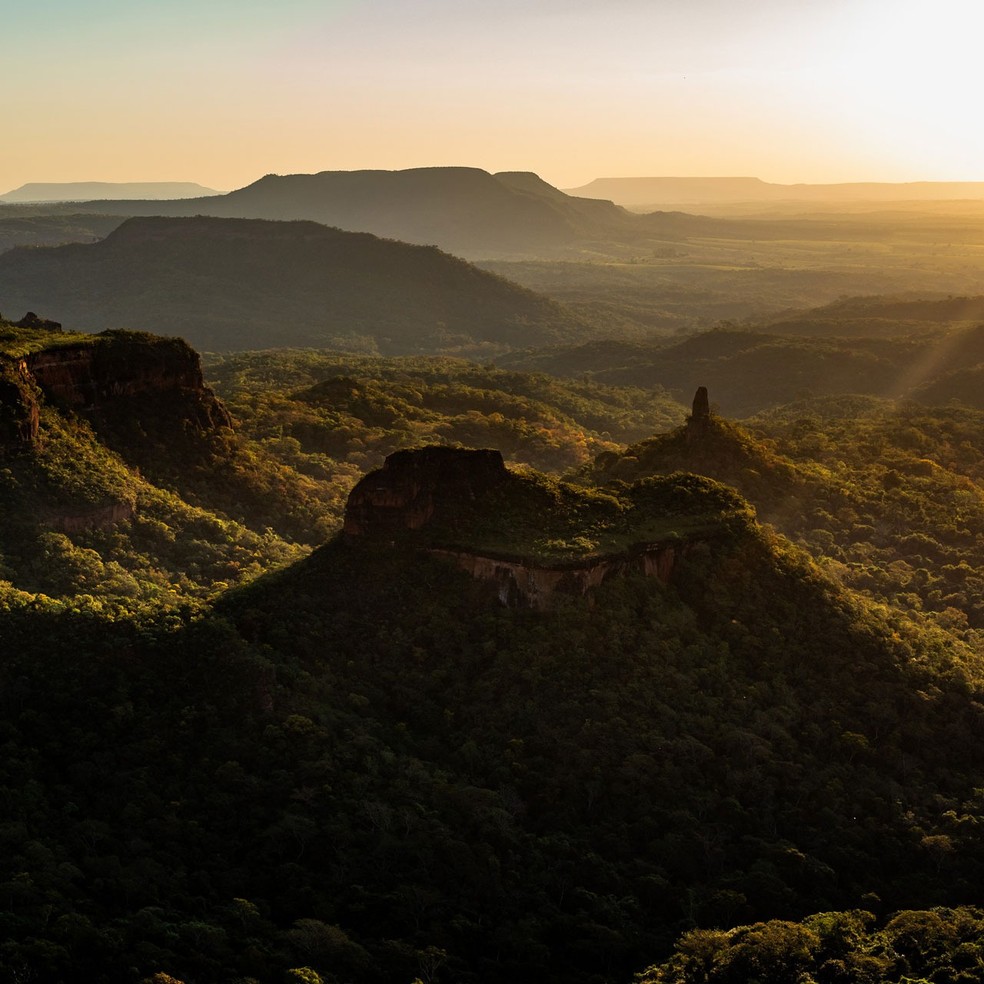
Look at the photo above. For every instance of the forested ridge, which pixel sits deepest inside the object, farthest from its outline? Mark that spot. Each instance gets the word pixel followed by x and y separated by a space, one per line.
pixel 239 746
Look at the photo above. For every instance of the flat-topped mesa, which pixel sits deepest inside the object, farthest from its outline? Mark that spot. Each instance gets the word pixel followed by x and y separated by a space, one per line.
pixel 416 487
pixel 124 372
pixel 121 381
pixel 535 537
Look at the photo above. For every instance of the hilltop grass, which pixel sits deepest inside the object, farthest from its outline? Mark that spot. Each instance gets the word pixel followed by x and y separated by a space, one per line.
pixel 546 521
pixel 15 343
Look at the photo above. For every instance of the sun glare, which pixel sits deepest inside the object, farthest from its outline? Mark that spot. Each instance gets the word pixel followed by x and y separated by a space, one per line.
pixel 908 77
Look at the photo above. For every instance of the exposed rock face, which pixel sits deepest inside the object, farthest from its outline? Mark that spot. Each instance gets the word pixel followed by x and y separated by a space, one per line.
pixel 415 487
pixel 522 584
pixel 121 368
pixel 152 383
pixel 701 407
pixel 19 414
pixel 99 517
pixel 441 488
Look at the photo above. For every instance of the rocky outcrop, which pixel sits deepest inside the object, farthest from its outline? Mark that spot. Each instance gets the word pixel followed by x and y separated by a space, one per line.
pixel 19 412
pixel 415 488
pixel 98 517
pixel 123 368
pixel 117 380
pixel 699 420
pixel 31 320
pixel 438 500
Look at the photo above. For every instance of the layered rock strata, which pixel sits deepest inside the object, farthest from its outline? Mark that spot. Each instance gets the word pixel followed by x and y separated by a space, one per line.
pixel 132 377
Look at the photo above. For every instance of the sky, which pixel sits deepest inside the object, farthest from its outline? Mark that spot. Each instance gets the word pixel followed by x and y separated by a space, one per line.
pixel 224 91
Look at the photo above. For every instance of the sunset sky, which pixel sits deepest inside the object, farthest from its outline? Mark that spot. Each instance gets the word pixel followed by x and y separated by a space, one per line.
pixel 224 91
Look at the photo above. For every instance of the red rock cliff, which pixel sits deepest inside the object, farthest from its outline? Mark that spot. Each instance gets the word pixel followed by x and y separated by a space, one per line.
pixel 120 377
pixel 416 487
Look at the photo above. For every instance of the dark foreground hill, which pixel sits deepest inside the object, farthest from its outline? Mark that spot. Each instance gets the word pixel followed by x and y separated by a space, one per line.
pixel 369 767
pixel 229 284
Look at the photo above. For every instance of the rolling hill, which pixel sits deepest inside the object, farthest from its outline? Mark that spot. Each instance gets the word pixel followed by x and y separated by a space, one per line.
pixel 749 371
pixel 397 757
pixel 367 768
pixel 233 284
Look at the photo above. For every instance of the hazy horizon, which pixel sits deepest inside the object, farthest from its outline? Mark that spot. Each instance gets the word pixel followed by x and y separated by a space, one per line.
pixel 858 90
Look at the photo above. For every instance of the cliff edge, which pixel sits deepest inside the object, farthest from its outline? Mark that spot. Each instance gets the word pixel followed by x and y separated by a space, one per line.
pixel 143 384
pixel 534 537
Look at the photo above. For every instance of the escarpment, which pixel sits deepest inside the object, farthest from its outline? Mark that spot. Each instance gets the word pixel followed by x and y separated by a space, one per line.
pixel 434 485
pixel 128 372
pixel 139 383
pixel 530 536
pixel 522 583
pixel 19 411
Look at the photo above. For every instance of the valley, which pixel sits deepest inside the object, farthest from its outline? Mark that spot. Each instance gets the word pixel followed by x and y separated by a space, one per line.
pixel 369 613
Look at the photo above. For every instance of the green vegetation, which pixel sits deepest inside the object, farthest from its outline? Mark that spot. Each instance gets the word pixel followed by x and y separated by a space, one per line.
pixel 365 766
pixel 544 521
pixel 935 945
pixel 750 371
pixel 237 748
pixel 336 416
pixel 81 523
pixel 16 342
pixel 888 497
pixel 234 284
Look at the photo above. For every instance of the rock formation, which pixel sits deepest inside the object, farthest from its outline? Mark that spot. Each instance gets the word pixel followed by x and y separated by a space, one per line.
pixel 526 584
pixel 31 320
pixel 701 407
pixel 117 378
pixel 700 416
pixel 19 412
pixel 444 497
pixel 415 488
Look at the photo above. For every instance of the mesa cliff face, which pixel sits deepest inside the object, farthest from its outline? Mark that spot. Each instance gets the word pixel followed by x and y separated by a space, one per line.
pixel 416 488
pixel 466 507
pixel 19 413
pixel 527 584
pixel 117 377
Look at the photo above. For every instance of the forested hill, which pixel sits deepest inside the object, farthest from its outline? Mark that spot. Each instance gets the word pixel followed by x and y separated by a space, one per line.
pixel 366 766
pixel 363 766
pixel 749 371
pixel 227 284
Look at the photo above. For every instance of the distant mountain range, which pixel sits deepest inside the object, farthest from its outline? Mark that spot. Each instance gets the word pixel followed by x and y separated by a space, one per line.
pixel 464 210
pixel 661 191
pixel 228 284
pixel 87 191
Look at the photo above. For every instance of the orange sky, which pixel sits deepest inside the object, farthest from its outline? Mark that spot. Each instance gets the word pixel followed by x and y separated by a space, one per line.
pixel 222 92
